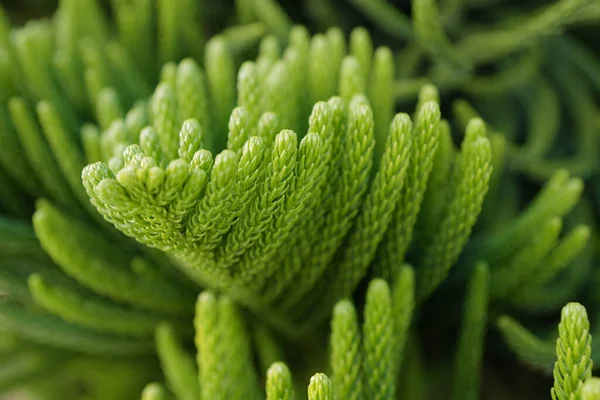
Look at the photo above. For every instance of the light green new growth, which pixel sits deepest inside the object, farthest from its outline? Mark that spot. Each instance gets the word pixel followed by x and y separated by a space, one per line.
pixel 573 350
pixel 209 348
pixel 337 197
pixel 320 388
pixel 221 340
pixel 378 206
pixel 279 382
pixel 469 184
pixel 204 223
pixel 432 209
pixel 267 208
pixel 239 355
pixel 309 165
pixel 591 389
pixel 321 122
pixel 424 145
pixel 291 215
pixel 378 337
pixel 346 353
pixel 368 368
pixel 274 189
pixel 155 391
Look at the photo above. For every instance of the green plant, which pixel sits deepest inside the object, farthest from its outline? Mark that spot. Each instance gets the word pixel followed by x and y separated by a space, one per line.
pixel 363 362
pixel 285 188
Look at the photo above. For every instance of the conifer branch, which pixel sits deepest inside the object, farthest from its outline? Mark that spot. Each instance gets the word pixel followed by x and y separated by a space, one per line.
pixel 573 349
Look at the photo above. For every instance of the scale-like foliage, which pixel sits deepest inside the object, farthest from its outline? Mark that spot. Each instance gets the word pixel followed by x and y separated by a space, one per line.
pixel 573 349
pixel 279 382
pixel 346 356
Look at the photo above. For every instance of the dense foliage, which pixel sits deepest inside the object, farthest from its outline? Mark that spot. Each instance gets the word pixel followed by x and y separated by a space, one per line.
pixel 405 206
